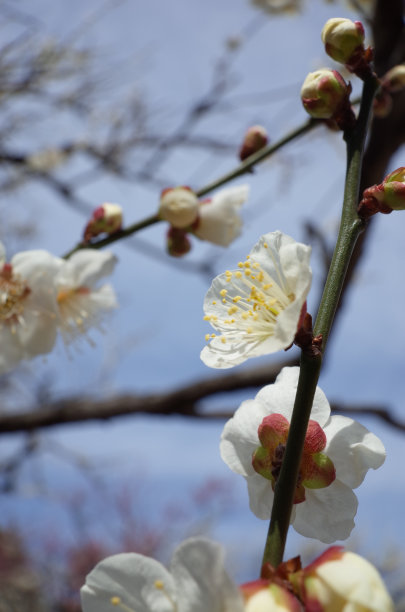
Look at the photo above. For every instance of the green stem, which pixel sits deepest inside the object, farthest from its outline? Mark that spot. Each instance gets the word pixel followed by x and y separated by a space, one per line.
pixel 350 228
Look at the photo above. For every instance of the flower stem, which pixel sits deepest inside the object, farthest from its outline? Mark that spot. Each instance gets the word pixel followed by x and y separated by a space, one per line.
pixel 350 228
pixel 244 167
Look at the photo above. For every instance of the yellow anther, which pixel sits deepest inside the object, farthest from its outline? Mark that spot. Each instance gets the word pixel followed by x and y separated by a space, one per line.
pixel 207 337
pixel 267 286
pixel 237 299
pixel 228 273
pixel 238 274
pixel 115 601
pixel 266 246
pixel 252 276
pixel 207 318
pixel 249 330
pixel 246 264
pixel 223 292
pixel 247 272
pixel 274 311
pixel 213 335
pixel 232 309
pixel 223 300
pixel 256 265
pixel 159 585
pixel 247 256
pixel 245 315
pixel 240 264
pixel 223 340
pixel 214 317
pixel 213 302
pixel 260 276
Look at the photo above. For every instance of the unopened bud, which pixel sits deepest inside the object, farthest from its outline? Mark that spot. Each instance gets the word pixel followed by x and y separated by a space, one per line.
pixel 343 39
pixel 324 93
pixel 263 596
pixel 382 104
pixel 106 219
pixel 340 580
pixel 178 243
pixel 255 139
pixel 394 79
pixel 178 206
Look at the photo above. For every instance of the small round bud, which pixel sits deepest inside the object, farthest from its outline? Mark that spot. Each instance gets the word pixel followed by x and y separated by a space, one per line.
pixel 178 206
pixel 106 219
pixel 394 79
pixel 263 595
pixel 324 93
pixel 178 243
pixel 255 139
pixel 393 191
pixel 343 39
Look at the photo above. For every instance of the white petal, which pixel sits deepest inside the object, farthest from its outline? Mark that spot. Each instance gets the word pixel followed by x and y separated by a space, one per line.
pixel 353 449
pixel 85 267
pixel 132 578
pixel 239 438
pixel 327 514
pixel 218 220
pixel 201 581
pixel 261 496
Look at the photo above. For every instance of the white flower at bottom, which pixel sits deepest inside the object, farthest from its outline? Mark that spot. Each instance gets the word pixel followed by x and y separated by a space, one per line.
pixel 196 582
pixel 256 309
pixel 218 218
pixel 338 452
pixel 81 304
pixel 28 309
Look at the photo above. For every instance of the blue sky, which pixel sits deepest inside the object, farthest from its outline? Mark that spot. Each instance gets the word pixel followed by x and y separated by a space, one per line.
pixel 166 52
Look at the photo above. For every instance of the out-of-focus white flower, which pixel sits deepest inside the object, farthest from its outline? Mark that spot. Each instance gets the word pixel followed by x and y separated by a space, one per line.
pixel 278 6
pixel 81 305
pixel 338 452
pixel 340 580
pixel 257 308
pixel 106 219
pixel 178 206
pixel 256 138
pixel 218 218
pixel 28 309
pixel 196 582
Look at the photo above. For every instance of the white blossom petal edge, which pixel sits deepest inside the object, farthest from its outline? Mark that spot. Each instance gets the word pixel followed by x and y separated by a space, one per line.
pixel 218 217
pixel 256 308
pixel 28 308
pixel 81 304
pixel 196 582
pixel 327 514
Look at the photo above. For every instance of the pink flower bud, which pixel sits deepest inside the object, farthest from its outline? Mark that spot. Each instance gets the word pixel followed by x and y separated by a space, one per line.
pixel 324 93
pixel 340 580
pixel 178 243
pixel 343 39
pixel 106 219
pixel 263 595
pixel 394 79
pixel 178 206
pixel 255 139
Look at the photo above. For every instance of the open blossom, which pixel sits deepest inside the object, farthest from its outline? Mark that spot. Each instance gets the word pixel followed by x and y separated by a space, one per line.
pixel 337 455
pixel 218 218
pixel 256 309
pixel 28 308
pixel 81 304
pixel 196 581
pixel 342 580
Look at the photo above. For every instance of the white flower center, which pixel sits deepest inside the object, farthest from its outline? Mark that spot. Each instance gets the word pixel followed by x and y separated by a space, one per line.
pixel 13 292
pixel 254 301
pixel 78 313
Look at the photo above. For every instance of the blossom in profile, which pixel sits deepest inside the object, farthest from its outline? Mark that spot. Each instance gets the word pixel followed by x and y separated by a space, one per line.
pixel 342 580
pixel 256 309
pixel 338 452
pixel 218 218
pixel 106 219
pixel 255 139
pixel 28 308
pixel 81 303
pixel 195 581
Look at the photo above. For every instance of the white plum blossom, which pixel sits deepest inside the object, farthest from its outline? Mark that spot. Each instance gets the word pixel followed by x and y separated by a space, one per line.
pixel 218 218
pixel 28 308
pixel 256 309
pixel 338 452
pixel 81 304
pixel 195 582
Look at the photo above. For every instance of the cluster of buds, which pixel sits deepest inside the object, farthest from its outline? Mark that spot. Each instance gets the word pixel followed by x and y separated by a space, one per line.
pixel 106 219
pixel 344 42
pixel 385 197
pixel 336 580
pixel 391 83
pixel 326 95
pixel 255 139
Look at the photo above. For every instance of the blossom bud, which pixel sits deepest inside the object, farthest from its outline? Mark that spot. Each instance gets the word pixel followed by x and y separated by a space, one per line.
pixel 106 219
pixel 382 103
pixel 324 93
pixel 343 39
pixel 263 595
pixel 255 139
pixel 178 206
pixel 178 243
pixel 340 580
pixel 394 79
